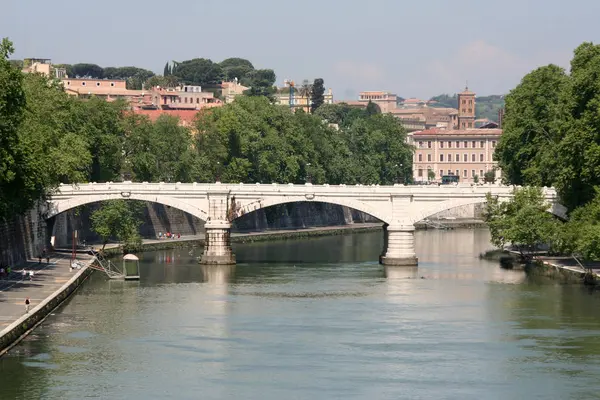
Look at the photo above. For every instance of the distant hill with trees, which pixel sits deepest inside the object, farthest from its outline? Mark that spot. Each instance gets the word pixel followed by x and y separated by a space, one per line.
pixel 486 106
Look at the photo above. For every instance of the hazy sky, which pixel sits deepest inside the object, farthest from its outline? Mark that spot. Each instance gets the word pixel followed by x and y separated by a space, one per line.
pixel 412 48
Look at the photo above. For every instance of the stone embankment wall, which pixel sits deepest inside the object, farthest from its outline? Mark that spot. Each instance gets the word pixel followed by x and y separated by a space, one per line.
pixel 159 218
pixel 470 211
pixel 22 238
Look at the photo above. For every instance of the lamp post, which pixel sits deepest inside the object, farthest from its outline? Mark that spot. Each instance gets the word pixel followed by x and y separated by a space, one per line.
pixel 308 173
pixel 218 171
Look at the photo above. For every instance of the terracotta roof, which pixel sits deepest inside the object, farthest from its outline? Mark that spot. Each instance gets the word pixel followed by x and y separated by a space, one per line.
pixel 458 132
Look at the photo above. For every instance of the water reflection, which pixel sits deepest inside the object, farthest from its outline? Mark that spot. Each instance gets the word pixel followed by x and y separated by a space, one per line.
pixel 317 318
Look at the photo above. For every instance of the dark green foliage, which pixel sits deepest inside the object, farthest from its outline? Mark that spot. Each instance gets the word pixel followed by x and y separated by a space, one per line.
pixel 552 129
pixel 317 94
pixel 252 140
pixel 372 109
pixel 237 68
pixel 199 71
pixel 261 83
pixel 118 220
pixel 87 70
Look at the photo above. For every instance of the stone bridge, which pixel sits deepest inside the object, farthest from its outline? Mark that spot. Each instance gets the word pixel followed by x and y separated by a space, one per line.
pixel 398 206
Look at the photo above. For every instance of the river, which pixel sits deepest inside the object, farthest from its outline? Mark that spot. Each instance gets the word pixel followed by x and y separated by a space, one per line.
pixel 317 319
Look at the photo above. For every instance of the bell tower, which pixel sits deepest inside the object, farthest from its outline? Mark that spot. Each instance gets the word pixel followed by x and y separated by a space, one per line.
pixel 466 109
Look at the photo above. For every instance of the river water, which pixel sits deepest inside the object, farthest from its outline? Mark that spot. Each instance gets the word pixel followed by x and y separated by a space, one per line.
pixel 317 319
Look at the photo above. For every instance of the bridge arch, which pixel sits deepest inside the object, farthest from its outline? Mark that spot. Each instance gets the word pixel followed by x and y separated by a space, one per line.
pixel 340 201
pixel 556 209
pixel 58 206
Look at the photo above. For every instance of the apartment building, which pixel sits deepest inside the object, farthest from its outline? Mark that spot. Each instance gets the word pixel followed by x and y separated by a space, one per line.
pixel 463 152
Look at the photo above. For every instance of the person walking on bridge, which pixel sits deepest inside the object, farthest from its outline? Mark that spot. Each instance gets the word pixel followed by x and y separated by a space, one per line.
pixel 27 304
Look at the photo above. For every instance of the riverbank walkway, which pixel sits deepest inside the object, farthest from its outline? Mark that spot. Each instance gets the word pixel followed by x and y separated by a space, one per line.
pixel 48 277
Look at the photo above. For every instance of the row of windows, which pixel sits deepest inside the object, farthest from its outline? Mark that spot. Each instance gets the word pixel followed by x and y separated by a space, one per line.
pixel 464 175
pixel 465 102
pixel 465 144
pixel 112 84
pixel 456 158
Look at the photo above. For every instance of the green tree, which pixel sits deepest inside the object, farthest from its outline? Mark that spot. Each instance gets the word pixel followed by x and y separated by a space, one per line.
pixel 261 83
pixel 198 71
pixel 372 109
pixel 526 151
pixel 17 192
pixel 430 175
pixel 87 70
pixel 523 222
pixel 317 95
pixel 118 220
pixel 167 70
pixel 237 68
pixel 489 176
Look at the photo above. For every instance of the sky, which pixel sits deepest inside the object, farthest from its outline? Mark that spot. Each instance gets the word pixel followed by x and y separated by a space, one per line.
pixel 411 48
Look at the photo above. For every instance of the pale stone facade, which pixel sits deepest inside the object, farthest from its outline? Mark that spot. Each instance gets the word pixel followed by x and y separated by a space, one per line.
pixel 465 153
pixel 385 100
pixel 398 206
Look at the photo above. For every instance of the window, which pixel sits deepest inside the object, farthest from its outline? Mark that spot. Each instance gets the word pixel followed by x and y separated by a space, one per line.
pixel 472 157
pixel 464 102
pixel 481 173
pixel 470 124
pixel 112 84
pixel 473 144
pixel 457 158
pixel 441 172
pixel 481 157
pixel 472 173
pixel 441 144
pixel 493 144
pixel 457 173
pixel 464 110
pixel 420 174
pixel 82 83
pixel 185 100
pixel 449 144
pixel 470 110
pixel 465 144
pixel 428 157
pixel 441 157
pixel 464 125
pixel 470 102
pixel 482 144
pixel 429 144
pixel 197 100
pixel 68 83
pixel 97 83
pixel 465 157
pixel 420 144
pixel 457 144
pixel 464 173
pixel 420 157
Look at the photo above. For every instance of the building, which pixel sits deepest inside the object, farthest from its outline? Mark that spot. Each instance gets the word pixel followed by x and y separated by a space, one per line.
pixel 466 109
pixel 43 66
pixel 300 101
pixel 183 98
pixel 107 89
pixel 186 117
pixel 463 152
pixel 230 90
pixel 385 100
pixel 422 118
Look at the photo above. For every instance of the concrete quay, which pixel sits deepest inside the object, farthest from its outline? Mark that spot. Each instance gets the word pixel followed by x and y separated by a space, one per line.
pixel 52 283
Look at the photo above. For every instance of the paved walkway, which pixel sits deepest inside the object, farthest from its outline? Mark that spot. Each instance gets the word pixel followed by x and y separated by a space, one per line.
pixel 48 277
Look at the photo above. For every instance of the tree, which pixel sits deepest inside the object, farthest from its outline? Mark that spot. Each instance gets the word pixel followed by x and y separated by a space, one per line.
pixel 117 219
pixel 198 71
pixel 167 70
pixel 523 222
pixel 489 176
pixel 526 151
pixel 87 70
pixel 237 68
pixel 318 94
pixel 476 178
pixel 372 109
pixel 16 191
pixel 261 83
pixel 430 175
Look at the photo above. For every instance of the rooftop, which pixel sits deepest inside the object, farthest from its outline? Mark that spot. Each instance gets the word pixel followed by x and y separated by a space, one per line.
pixel 458 132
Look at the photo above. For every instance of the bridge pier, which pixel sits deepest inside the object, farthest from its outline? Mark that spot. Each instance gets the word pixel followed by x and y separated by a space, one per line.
pixel 217 244
pixel 399 246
